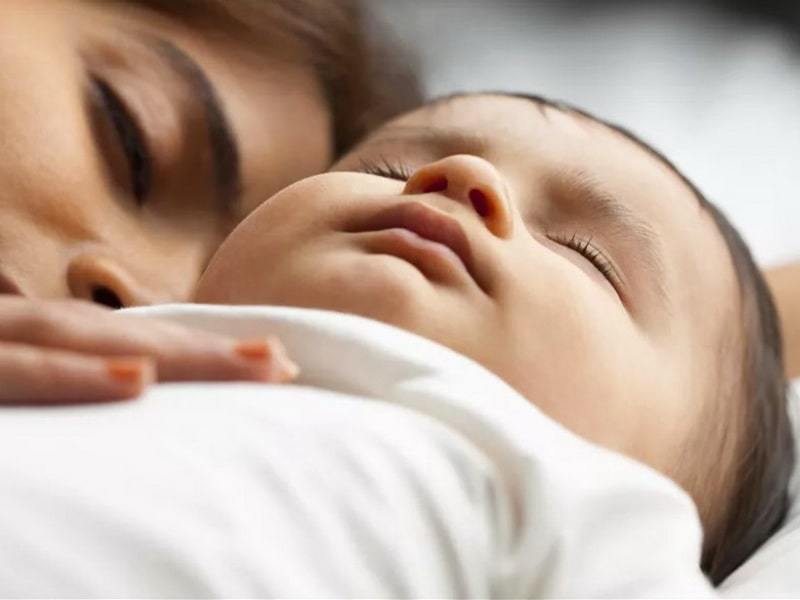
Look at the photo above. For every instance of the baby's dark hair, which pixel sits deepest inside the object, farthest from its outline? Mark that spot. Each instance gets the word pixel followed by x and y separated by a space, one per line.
pixel 366 75
pixel 754 485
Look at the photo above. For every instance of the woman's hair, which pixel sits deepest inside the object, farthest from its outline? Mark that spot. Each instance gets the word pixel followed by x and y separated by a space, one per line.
pixel 750 416
pixel 365 74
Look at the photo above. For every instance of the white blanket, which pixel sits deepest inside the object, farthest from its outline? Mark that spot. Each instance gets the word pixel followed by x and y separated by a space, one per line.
pixel 395 467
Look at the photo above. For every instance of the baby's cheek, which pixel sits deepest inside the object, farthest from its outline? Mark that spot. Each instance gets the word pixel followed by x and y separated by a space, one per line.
pixel 618 377
pixel 224 278
pixel 582 360
pixel 210 290
pixel 238 271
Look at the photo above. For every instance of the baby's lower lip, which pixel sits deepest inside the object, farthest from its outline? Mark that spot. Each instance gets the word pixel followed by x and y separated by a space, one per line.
pixel 432 258
pixel 429 226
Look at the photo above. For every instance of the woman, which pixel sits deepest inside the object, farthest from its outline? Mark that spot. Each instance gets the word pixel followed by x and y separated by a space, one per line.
pixel 133 140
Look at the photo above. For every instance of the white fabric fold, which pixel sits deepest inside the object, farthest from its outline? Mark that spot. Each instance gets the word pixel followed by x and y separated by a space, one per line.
pixel 394 467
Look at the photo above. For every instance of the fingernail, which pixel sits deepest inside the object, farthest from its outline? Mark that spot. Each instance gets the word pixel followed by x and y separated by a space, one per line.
pixel 262 350
pixel 130 371
pixel 254 349
pixel 286 369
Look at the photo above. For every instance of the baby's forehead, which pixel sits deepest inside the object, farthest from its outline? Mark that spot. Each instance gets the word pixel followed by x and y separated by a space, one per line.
pixel 495 115
pixel 510 123
pixel 529 137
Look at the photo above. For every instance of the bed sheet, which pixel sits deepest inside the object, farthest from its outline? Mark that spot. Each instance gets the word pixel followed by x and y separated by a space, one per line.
pixel 399 469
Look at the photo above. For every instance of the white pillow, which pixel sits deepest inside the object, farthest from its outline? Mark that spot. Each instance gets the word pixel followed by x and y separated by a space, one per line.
pixel 774 570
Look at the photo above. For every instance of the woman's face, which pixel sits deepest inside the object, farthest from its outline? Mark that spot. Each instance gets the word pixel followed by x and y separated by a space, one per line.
pixel 131 144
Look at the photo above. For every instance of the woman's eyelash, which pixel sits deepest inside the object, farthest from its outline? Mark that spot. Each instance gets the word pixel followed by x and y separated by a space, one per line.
pixel 131 139
pixel 384 167
pixel 592 253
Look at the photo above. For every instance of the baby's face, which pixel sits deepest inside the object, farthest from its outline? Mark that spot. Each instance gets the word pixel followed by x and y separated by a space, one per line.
pixel 549 248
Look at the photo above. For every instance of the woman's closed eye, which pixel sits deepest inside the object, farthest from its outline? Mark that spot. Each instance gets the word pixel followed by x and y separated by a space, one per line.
pixel 130 138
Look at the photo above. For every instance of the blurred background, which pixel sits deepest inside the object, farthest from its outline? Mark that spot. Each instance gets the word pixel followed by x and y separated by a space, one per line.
pixel 714 84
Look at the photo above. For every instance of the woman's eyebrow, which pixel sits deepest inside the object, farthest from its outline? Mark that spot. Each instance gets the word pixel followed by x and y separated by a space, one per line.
pixel 224 147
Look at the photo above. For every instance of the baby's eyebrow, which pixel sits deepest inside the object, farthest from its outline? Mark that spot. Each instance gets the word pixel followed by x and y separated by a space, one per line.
pixel 439 140
pixel 588 197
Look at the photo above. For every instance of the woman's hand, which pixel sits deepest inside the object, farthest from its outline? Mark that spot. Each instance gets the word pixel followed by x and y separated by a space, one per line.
pixel 61 352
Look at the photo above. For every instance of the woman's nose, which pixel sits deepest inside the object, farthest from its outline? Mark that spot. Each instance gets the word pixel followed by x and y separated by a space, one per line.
pixel 470 180
pixel 102 280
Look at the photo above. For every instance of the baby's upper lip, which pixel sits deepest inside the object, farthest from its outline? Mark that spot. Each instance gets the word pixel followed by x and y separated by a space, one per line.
pixel 429 224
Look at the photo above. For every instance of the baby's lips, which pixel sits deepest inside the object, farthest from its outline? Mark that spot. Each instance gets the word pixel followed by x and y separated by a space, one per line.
pixel 270 355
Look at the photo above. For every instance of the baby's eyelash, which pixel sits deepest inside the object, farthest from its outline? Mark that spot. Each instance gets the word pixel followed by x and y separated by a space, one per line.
pixel 383 167
pixel 592 253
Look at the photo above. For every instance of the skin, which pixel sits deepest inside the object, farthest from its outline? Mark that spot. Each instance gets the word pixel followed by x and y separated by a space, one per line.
pixel 626 363
pixel 784 282
pixel 75 225
pixel 66 352
pixel 69 224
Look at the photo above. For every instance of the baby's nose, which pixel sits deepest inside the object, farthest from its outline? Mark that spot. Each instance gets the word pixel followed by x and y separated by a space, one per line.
pixel 470 180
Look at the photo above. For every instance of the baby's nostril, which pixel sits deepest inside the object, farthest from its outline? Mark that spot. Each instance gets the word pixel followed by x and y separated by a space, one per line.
pixel 437 185
pixel 480 202
pixel 106 297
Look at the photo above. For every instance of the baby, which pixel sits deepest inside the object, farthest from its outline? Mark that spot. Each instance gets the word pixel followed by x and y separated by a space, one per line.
pixel 569 258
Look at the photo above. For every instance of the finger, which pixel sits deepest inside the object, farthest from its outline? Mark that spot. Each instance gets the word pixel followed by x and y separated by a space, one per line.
pixel 31 375
pixel 263 360
pixel 271 354
pixel 180 353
